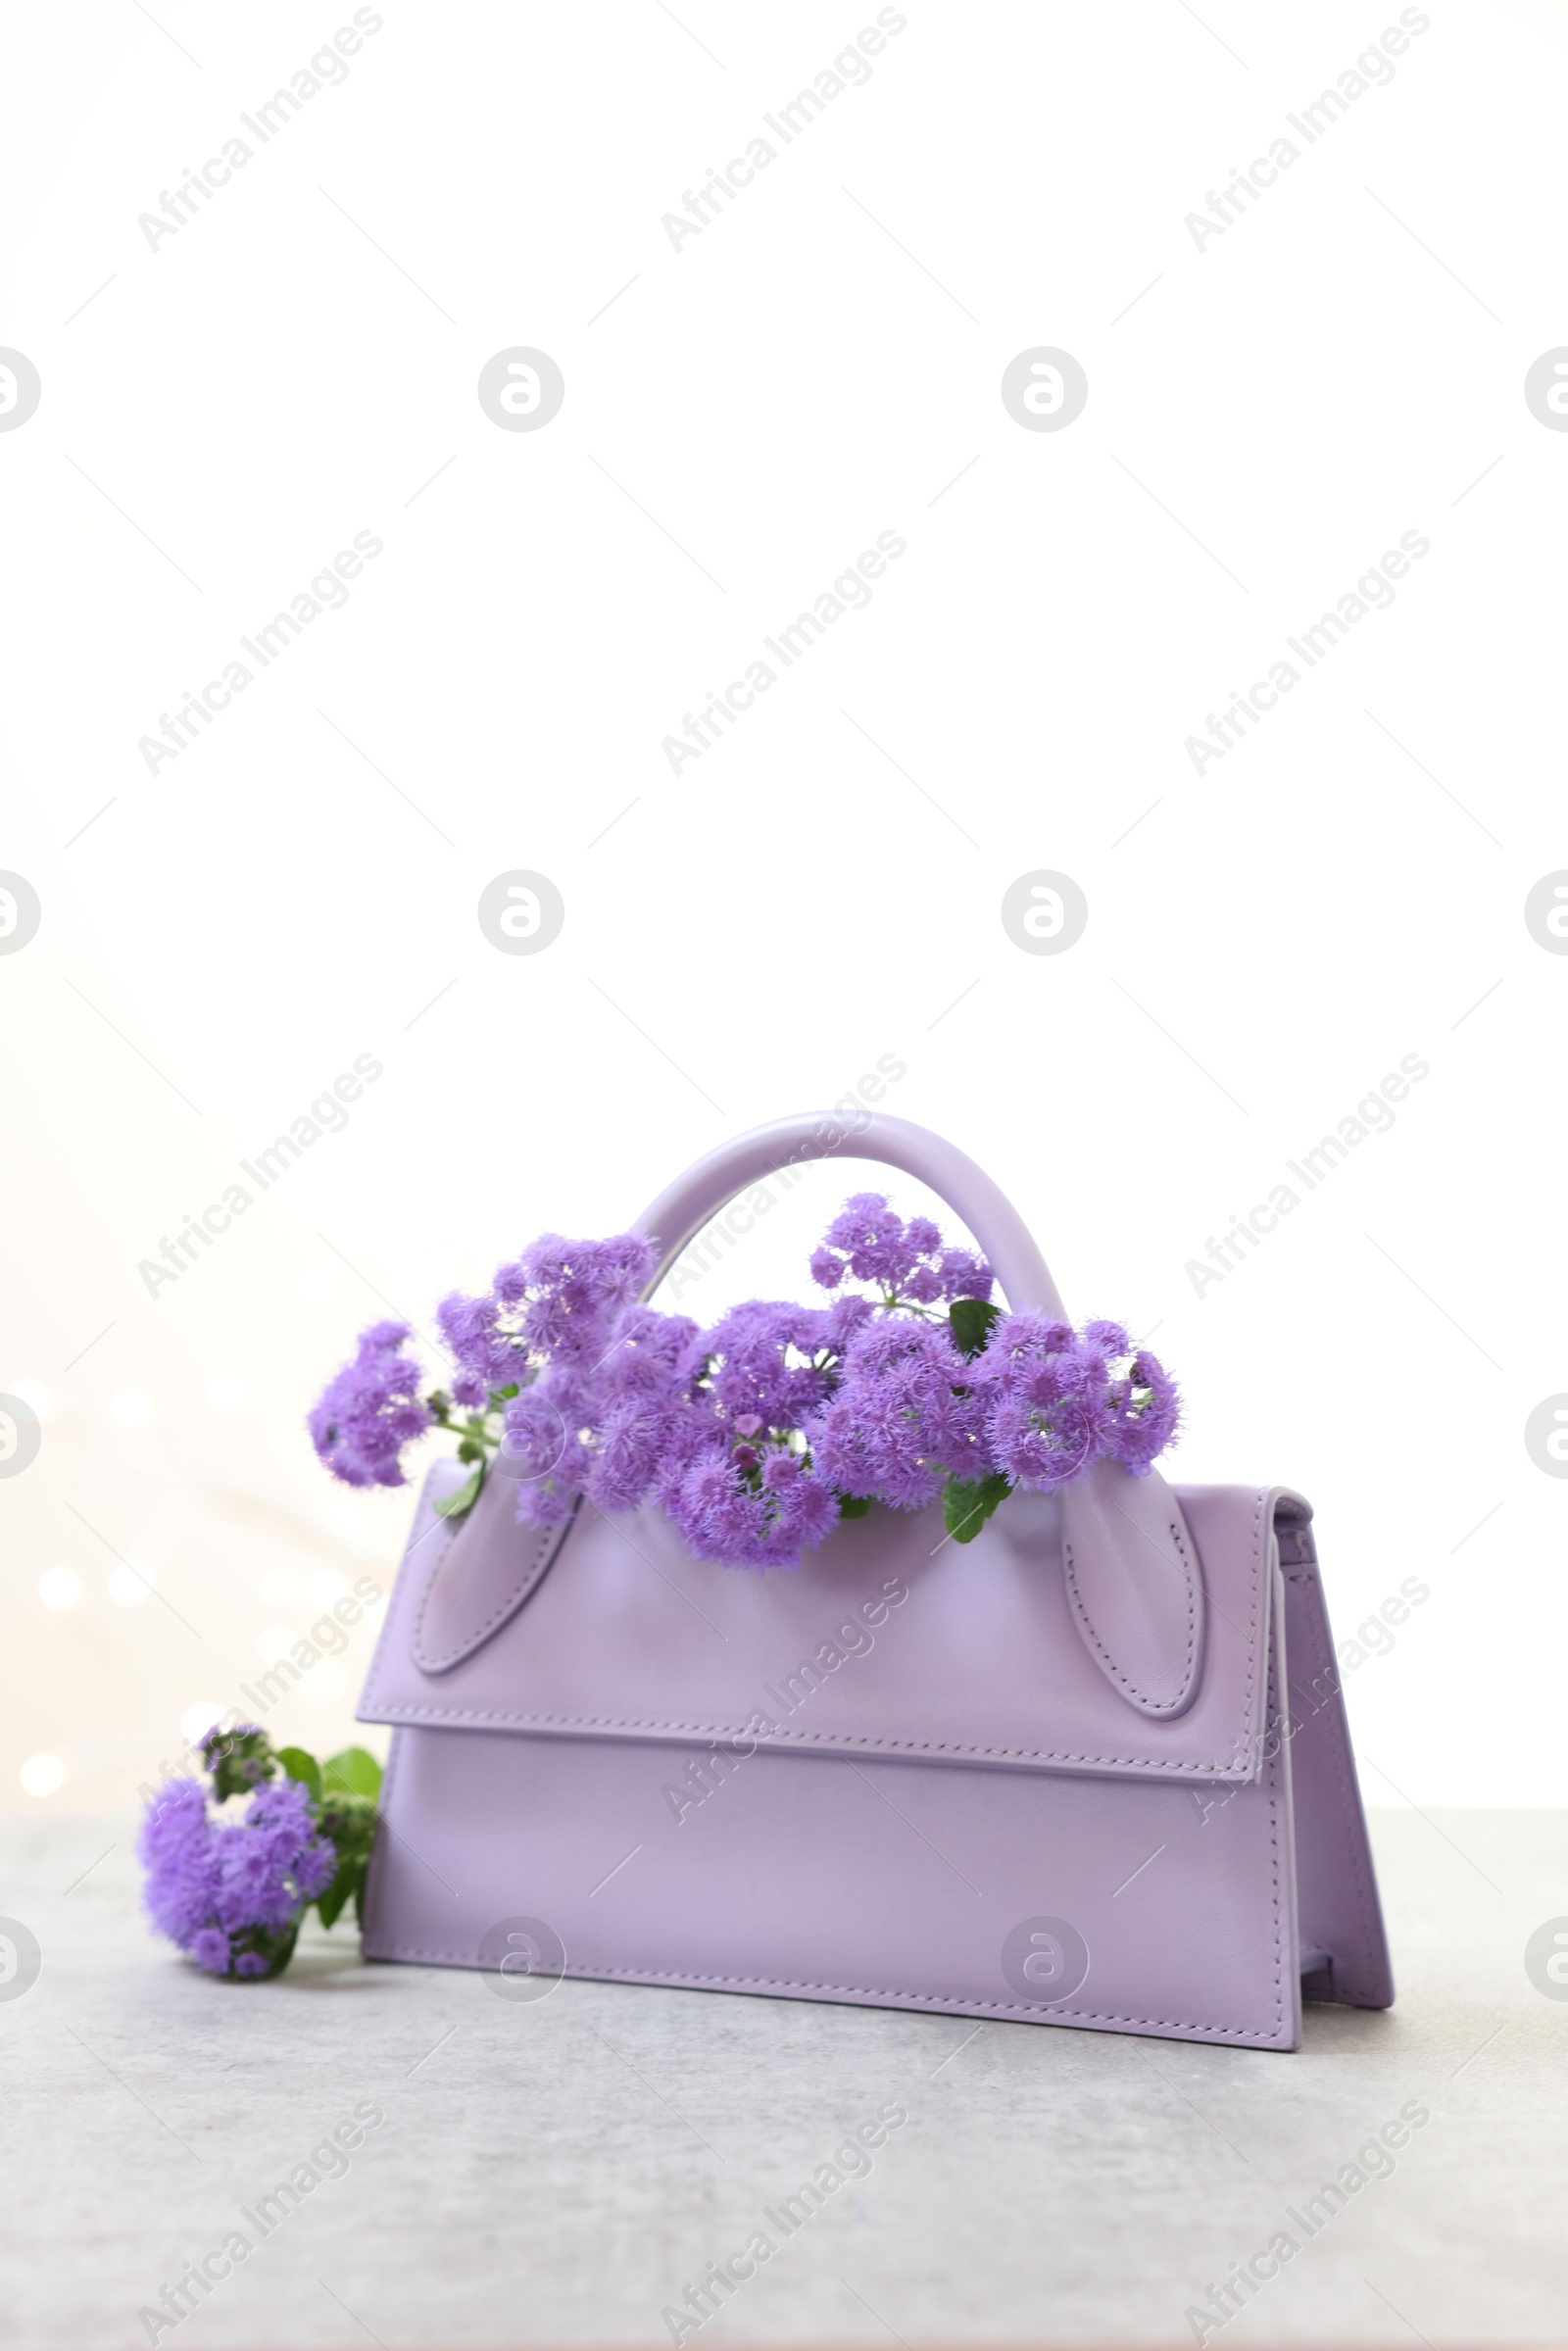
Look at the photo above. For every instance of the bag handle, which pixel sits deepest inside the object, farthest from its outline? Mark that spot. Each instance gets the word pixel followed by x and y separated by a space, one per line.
pixel 680 1212
pixel 1132 1571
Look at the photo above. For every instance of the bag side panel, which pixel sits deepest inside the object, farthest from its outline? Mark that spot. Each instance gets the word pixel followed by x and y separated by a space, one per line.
pixel 1337 1886
pixel 817 1876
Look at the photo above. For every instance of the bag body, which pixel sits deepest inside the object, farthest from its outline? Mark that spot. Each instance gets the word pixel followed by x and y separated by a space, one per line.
pixel 1090 1769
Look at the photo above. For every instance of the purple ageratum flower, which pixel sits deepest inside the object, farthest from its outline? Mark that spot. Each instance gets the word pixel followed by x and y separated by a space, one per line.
pixel 841 1322
pixel 1045 1389
pixel 544 1447
pixel 212 1949
pixel 828 1268
pixel 486 1355
pixel 651 1356
pixel 1043 1445
pixel 576 1290
pixel 370 1410
pixel 271 1862
pixel 869 1241
pixel 1021 1339
pixel 511 1284
pixel 1055 1403
pixel 556 1307
pixel 728 1512
pixel 922 1286
pixel 871 1237
pixel 1147 1411
pixel 630 1455
pixel 560 1441
pixel 803 1508
pixel 218 1886
pixel 964 1274
pixel 560 1323
pixel 763 1363
pixel 903 1415
pixel 634 1391
pixel 176 1849
pixel 559 1302
pixel 709 1501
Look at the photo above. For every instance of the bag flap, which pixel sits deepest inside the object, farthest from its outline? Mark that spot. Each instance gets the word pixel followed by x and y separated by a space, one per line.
pixel 890 1640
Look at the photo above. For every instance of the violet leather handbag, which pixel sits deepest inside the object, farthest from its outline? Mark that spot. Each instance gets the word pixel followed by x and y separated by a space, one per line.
pixel 1090 1768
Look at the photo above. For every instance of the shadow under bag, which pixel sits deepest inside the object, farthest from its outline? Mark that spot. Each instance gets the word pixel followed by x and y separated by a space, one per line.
pixel 1090 1769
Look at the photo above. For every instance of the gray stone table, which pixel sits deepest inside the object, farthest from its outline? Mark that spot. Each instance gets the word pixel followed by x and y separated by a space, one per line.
pixel 560 2171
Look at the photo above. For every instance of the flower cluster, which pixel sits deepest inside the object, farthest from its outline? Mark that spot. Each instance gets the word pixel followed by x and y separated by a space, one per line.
pixel 370 1410
pixel 757 1434
pixel 534 1348
pixel 230 1887
pixel 231 1894
pixel 904 1417
pixel 735 1471
pixel 1058 1402
pixel 907 1260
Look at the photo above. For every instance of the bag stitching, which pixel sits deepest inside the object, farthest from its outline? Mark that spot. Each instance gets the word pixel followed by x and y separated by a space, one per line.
pixel 1248 1713
pixel 513 1599
pixel 373 1875
pixel 787 1984
pixel 394 1710
pixel 452 1716
pixel 1274 1782
pixel 1142 1698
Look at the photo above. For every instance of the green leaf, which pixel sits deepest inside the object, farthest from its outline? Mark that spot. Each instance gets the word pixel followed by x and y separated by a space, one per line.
pixel 301 1766
pixel 970 1319
pixel 968 1503
pixel 359 1902
pixel 330 1902
pixel 349 1880
pixel 347 1816
pixel 453 1505
pixel 352 1770
pixel 854 1505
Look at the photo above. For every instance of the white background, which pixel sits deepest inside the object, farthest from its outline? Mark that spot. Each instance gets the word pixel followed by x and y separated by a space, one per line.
pixel 1265 416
